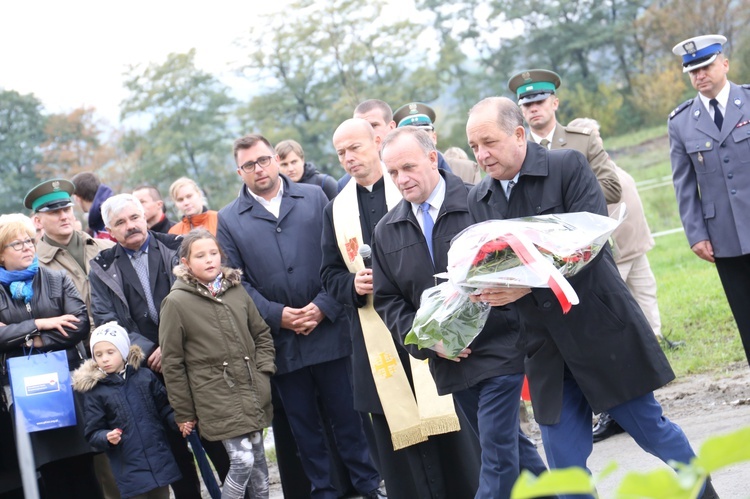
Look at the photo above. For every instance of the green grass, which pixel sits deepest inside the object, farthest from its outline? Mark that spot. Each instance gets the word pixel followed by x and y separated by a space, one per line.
pixel 693 309
pixel 634 138
pixel 692 303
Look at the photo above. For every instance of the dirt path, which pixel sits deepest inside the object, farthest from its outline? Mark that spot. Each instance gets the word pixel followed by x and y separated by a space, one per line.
pixel 704 405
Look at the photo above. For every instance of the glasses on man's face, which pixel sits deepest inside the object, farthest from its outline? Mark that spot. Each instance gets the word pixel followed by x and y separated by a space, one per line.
pixel 263 162
pixel 18 245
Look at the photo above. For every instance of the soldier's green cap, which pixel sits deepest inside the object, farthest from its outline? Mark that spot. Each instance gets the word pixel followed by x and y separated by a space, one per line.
pixel 414 114
pixel 533 85
pixel 50 195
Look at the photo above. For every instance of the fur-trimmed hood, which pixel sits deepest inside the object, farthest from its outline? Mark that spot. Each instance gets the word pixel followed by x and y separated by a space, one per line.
pixel 232 277
pixel 86 377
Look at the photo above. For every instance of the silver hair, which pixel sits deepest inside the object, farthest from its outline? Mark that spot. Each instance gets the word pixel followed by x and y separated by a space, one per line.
pixel 509 116
pixel 116 204
pixel 421 137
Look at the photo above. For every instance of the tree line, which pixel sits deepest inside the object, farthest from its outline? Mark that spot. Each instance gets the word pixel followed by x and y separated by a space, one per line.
pixel 312 61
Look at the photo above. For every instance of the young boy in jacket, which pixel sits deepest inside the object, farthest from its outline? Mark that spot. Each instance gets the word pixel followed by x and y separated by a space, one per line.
pixel 126 410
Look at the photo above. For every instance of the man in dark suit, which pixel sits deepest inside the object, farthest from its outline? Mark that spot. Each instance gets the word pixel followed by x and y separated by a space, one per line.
pixel 272 232
pixel 128 283
pixel 709 139
pixel 486 377
pixel 620 363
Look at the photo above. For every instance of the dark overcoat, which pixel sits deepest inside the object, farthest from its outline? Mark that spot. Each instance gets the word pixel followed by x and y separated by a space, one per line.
pixel 605 341
pixel 280 259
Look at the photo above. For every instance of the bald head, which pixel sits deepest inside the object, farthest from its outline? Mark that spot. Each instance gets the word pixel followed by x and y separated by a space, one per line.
pixel 357 148
pixel 497 137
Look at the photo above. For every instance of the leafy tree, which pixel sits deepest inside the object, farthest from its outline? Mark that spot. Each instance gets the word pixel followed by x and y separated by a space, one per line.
pixel 21 133
pixel 74 143
pixel 187 111
pixel 315 61
pixel 601 104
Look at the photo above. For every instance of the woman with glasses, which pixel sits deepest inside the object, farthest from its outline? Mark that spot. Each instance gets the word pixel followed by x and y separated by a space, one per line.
pixel 190 202
pixel 41 310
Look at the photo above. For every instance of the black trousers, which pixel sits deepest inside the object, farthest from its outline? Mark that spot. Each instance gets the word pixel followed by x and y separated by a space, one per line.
pixel 735 277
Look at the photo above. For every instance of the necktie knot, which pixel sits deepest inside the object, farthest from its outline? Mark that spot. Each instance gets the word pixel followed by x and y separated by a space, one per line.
pixel 425 207
pixel 544 143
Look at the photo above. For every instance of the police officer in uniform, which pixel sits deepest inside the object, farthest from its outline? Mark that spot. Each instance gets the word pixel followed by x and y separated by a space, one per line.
pixel 535 91
pixel 709 139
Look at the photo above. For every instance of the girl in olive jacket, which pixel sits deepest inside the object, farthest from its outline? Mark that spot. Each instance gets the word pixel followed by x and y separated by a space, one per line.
pixel 217 361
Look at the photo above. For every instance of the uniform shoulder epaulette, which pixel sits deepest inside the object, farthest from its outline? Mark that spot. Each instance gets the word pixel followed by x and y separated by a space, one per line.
pixel 680 108
pixel 746 86
pixel 578 129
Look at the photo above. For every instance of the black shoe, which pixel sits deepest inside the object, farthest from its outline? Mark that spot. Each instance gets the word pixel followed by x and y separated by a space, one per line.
pixel 605 427
pixel 375 494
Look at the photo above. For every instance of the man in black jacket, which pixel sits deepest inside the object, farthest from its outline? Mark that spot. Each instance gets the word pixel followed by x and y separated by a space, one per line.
pixel 486 378
pixel 118 294
pixel 602 354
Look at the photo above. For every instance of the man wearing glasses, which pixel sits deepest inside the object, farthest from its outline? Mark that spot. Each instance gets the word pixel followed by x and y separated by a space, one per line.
pixel 272 232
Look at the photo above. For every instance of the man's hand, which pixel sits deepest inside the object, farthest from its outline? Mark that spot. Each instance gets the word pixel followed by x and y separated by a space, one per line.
pixel 704 250
pixel 498 297
pixel 309 320
pixel 154 360
pixel 289 315
pixel 439 349
pixel 57 323
pixel 363 282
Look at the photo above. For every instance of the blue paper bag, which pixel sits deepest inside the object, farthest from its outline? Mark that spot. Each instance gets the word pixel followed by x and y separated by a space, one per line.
pixel 42 393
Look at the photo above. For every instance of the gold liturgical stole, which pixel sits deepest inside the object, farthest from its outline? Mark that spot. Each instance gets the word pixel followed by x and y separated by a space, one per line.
pixel 410 419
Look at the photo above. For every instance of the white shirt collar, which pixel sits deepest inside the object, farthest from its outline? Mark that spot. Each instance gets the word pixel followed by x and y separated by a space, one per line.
pixel 274 204
pixel 435 199
pixel 722 98
pixel 536 138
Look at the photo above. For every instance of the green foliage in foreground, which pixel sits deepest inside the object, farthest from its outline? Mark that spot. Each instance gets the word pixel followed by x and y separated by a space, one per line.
pixel 716 453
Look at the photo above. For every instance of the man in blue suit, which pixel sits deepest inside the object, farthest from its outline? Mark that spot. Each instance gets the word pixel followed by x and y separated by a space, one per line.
pixel 272 232
pixel 709 140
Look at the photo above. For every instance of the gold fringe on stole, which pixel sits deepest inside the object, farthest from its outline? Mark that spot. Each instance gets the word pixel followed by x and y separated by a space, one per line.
pixel 437 413
pixel 411 420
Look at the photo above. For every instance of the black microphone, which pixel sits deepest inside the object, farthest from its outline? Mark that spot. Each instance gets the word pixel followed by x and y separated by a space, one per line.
pixel 366 253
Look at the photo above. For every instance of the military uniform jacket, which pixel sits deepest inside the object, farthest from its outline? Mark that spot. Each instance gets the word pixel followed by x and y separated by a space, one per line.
pixel 583 141
pixel 711 172
pixel 56 258
pixel 605 341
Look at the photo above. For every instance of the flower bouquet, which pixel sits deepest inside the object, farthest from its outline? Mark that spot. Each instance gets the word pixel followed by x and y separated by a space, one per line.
pixel 447 315
pixel 539 251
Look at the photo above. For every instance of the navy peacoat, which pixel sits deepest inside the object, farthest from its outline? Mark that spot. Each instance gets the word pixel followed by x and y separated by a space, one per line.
pixel 280 259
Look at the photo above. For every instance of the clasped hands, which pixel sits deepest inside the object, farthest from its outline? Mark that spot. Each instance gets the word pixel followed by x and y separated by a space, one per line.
pixel 301 320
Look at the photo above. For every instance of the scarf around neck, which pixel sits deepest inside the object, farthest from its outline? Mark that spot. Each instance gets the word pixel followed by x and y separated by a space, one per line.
pixel 19 281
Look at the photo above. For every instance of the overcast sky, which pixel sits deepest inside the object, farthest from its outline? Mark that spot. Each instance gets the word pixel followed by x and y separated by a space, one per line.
pixel 74 53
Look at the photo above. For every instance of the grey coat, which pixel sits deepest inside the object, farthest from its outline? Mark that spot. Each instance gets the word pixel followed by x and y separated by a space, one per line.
pixel 711 172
